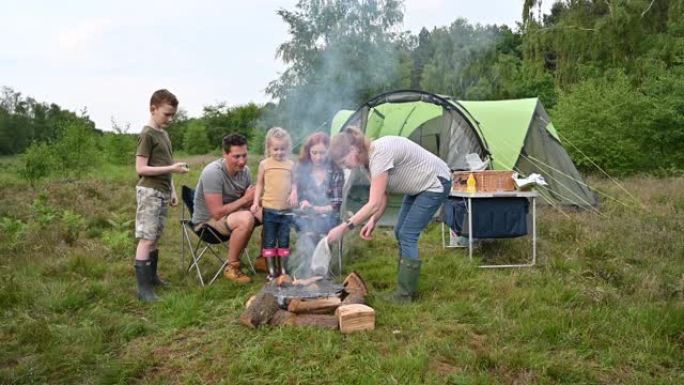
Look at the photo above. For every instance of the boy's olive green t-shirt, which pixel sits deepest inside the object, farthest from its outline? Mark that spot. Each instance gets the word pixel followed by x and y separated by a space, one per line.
pixel 155 145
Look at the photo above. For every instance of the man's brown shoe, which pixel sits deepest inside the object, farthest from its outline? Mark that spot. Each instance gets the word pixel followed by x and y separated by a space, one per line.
pixel 233 273
pixel 260 265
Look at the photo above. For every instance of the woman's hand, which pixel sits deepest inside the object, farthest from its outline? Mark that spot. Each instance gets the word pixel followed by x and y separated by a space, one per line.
pixel 292 199
pixel 255 208
pixel 322 209
pixel 336 233
pixel 367 230
pixel 304 204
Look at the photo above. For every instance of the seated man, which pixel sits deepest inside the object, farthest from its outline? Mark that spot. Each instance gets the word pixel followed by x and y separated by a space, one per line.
pixel 223 196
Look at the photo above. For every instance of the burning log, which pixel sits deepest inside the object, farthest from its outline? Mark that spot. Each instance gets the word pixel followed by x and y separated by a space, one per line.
pixel 354 318
pixel 354 284
pixel 260 310
pixel 314 302
pixel 314 306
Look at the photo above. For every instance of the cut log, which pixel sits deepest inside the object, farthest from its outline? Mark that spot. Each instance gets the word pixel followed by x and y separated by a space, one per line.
pixel 315 306
pixel 354 284
pixel 260 310
pixel 319 320
pixel 352 299
pixel 283 317
pixel 354 318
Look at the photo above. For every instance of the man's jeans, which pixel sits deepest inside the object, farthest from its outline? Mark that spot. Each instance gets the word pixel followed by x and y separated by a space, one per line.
pixel 416 213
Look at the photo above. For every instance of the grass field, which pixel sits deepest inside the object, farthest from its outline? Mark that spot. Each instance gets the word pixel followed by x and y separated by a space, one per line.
pixel 605 305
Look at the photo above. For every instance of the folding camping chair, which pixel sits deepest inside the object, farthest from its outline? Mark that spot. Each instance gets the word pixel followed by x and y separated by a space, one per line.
pixel 208 240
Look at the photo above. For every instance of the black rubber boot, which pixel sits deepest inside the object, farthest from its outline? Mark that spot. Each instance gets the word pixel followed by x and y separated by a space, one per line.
pixel 272 268
pixel 282 265
pixel 154 258
pixel 143 274
pixel 407 280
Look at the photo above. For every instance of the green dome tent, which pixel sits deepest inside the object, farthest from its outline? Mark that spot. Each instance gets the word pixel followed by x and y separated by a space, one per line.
pixel 515 134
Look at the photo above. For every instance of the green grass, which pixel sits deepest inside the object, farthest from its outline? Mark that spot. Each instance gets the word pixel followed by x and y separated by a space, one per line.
pixel 605 305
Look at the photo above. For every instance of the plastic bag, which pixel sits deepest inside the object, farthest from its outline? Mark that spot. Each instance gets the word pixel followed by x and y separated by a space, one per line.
pixel 475 163
pixel 320 261
pixel 532 180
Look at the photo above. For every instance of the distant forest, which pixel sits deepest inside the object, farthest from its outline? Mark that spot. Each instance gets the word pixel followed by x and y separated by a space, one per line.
pixel 610 72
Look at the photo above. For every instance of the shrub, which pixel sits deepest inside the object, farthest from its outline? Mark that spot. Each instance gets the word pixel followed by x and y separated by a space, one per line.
pixel 119 238
pixel 118 242
pixel 603 120
pixel 77 149
pixel 73 224
pixel 195 139
pixel 43 214
pixel 39 162
pixel 13 231
pixel 119 146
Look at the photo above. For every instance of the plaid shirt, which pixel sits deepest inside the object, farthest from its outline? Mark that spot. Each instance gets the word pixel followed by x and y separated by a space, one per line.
pixel 327 193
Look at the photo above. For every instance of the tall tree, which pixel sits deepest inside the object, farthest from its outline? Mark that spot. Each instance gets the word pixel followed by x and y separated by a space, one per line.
pixel 339 53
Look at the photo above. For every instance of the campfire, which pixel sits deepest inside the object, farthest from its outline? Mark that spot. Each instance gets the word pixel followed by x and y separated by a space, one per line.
pixel 315 301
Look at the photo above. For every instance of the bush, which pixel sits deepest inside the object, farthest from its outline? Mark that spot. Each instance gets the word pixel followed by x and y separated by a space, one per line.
pixel 77 149
pixel 13 231
pixel 73 224
pixel 39 162
pixel 43 213
pixel 195 139
pixel 118 238
pixel 119 146
pixel 603 121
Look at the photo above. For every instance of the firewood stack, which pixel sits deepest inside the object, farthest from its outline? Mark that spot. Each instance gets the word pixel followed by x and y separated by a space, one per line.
pixel 347 311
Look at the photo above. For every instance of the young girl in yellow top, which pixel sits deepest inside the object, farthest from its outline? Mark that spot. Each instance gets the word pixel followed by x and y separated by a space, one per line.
pixel 275 181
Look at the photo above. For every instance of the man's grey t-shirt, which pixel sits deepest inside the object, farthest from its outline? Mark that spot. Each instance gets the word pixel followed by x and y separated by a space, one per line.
pixel 215 179
pixel 411 168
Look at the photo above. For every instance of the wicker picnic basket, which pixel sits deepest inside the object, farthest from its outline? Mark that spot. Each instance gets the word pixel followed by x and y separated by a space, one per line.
pixel 485 181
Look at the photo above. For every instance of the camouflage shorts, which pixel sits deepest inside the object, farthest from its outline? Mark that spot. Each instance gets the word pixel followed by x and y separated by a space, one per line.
pixel 150 216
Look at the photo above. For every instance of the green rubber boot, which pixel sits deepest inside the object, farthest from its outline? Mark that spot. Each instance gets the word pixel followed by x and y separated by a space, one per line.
pixel 407 280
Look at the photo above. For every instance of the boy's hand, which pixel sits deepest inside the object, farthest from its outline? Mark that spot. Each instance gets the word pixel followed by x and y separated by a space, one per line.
pixel 255 209
pixel 174 200
pixel 304 205
pixel 180 168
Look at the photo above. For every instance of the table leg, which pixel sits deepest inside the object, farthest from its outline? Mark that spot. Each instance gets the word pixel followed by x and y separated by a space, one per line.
pixel 534 231
pixel 470 229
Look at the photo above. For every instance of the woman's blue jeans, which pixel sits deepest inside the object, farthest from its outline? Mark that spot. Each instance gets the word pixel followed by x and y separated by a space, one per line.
pixel 415 214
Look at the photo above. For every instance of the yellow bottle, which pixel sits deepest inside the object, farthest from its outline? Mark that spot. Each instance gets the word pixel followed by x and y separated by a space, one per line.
pixel 471 185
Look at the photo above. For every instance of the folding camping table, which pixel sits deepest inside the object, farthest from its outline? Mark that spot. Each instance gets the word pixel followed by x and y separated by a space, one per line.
pixel 531 195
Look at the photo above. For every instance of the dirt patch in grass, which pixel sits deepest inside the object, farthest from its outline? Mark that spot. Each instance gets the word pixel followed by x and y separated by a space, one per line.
pixel 175 357
pixel 443 368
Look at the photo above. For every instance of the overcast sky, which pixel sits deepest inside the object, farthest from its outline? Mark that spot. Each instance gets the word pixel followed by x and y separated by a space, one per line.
pixel 110 56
